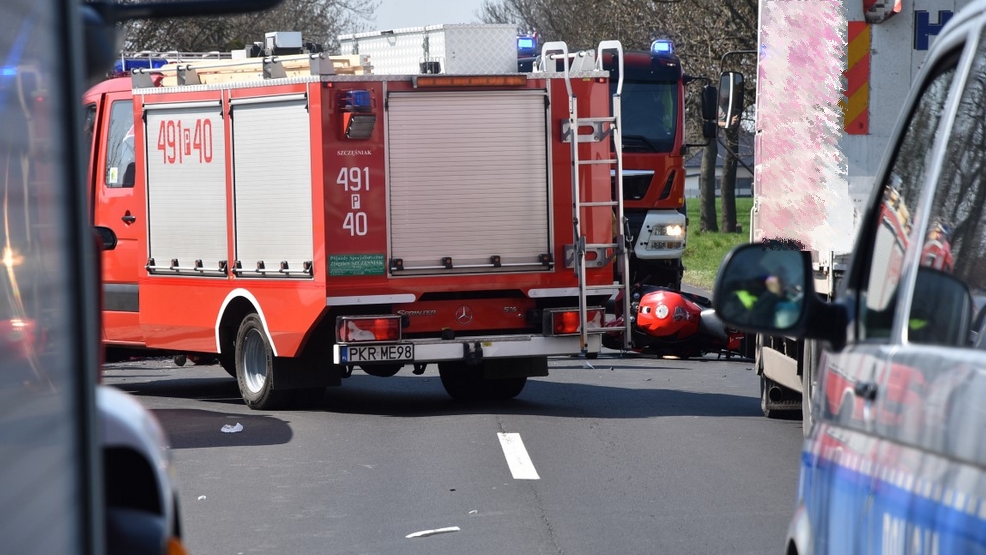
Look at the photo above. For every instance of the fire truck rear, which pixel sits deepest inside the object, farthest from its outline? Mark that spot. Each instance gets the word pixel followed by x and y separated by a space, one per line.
pixel 297 218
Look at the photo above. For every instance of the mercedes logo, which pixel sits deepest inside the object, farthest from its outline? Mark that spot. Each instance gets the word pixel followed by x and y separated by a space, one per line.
pixel 463 315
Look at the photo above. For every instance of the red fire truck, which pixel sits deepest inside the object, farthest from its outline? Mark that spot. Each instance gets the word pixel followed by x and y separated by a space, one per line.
pixel 296 219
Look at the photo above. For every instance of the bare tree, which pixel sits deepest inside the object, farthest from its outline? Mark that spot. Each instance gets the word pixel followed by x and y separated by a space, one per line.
pixel 319 21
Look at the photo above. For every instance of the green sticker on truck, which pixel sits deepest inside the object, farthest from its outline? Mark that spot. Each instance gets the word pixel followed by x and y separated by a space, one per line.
pixel 356 265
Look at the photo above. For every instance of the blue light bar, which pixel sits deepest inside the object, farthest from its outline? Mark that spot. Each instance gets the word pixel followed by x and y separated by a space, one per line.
pixel 662 46
pixel 526 43
pixel 8 71
pixel 130 64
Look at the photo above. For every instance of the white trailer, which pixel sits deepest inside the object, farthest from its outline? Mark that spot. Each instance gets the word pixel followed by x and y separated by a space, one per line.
pixel 459 49
pixel 832 76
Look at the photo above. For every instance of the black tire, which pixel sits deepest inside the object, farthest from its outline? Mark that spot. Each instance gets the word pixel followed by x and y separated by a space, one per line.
pixel 466 383
pixel 765 385
pixel 748 346
pixel 228 362
pixel 504 388
pixel 256 368
pixel 382 370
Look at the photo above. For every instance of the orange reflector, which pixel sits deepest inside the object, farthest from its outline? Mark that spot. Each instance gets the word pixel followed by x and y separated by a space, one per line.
pixel 565 323
pixel 424 81
pixel 353 329
pixel 175 547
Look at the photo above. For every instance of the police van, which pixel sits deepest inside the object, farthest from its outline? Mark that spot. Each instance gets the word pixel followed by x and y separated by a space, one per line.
pixel 895 459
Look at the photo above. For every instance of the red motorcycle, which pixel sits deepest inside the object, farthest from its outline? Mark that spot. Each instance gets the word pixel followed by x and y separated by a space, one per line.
pixel 675 323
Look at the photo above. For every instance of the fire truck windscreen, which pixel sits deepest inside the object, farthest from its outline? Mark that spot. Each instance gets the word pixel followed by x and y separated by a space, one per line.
pixel 649 116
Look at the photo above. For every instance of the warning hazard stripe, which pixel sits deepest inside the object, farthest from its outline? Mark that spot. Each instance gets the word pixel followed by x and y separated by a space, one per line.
pixel 856 101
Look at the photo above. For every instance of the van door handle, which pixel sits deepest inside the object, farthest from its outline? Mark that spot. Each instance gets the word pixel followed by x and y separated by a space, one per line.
pixel 866 390
pixel 129 219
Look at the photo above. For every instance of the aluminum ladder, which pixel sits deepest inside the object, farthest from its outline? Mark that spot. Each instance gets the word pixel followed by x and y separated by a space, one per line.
pixel 602 129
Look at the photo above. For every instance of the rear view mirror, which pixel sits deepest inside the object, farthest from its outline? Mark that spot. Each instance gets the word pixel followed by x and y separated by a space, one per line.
pixel 762 290
pixel 107 238
pixel 730 99
pixel 103 35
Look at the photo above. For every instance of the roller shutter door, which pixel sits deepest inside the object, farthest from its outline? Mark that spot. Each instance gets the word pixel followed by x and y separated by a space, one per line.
pixel 468 179
pixel 272 177
pixel 186 187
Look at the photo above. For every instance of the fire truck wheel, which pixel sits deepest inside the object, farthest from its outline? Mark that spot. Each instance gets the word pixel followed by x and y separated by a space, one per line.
pixel 504 388
pixel 228 362
pixel 382 370
pixel 465 383
pixel 255 366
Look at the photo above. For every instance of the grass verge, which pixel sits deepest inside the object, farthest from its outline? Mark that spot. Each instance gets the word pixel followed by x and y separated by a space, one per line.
pixel 705 250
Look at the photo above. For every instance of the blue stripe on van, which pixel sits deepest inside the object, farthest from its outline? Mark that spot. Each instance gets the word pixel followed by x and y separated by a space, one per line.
pixel 907 515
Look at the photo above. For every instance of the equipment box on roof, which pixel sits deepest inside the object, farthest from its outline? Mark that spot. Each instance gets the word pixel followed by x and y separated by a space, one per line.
pixel 462 49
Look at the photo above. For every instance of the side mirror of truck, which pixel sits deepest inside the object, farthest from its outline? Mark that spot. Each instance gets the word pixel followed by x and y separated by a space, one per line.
pixel 730 99
pixel 103 36
pixel 106 238
pixel 768 288
pixel 709 96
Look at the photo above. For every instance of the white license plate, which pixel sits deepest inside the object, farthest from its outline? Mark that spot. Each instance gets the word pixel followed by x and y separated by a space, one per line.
pixel 377 353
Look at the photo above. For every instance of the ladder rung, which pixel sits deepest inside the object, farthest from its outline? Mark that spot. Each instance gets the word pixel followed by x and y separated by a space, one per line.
pixel 601 245
pixel 604 330
pixel 599 203
pixel 590 121
pixel 610 161
pixel 610 288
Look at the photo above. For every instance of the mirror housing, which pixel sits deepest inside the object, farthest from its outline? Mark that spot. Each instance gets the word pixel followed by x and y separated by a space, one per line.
pixel 768 288
pixel 709 129
pixel 730 99
pixel 709 96
pixel 106 238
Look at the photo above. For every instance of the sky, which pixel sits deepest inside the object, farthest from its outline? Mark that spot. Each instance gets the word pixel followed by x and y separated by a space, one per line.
pixel 394 14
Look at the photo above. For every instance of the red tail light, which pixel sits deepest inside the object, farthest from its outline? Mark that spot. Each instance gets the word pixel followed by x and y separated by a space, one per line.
pixel 355 329
pixel 567 322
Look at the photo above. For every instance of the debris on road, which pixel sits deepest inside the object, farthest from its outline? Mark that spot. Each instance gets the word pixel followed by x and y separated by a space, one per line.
pixel 426 533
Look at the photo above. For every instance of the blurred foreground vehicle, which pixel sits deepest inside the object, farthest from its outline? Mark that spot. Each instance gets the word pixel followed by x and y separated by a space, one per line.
pixel 894 459
pixel 83 468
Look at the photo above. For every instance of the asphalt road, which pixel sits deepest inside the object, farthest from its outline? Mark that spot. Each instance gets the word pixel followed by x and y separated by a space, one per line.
pixel 623 456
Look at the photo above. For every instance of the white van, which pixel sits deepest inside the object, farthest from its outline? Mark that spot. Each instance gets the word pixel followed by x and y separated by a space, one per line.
pixel 895 460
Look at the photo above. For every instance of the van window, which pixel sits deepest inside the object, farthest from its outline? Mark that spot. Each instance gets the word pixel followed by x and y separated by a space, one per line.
pixel 955 238
pixel 892 224
pixel 120 145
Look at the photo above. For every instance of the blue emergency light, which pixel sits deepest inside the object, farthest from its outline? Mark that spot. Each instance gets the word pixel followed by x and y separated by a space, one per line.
pixel 357 101
pixel 8 71
pixel 527 46
pixel 129 64
pixel 662 46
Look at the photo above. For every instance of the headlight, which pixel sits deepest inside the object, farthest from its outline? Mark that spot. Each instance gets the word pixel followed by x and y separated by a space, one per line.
pixel 674 230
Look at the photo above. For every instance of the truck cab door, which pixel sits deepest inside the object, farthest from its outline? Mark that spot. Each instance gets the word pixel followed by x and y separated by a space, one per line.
pixel 118 204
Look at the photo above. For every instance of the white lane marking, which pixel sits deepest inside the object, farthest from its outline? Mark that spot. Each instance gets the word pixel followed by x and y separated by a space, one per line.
pixel 517 458
pixel 426 533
